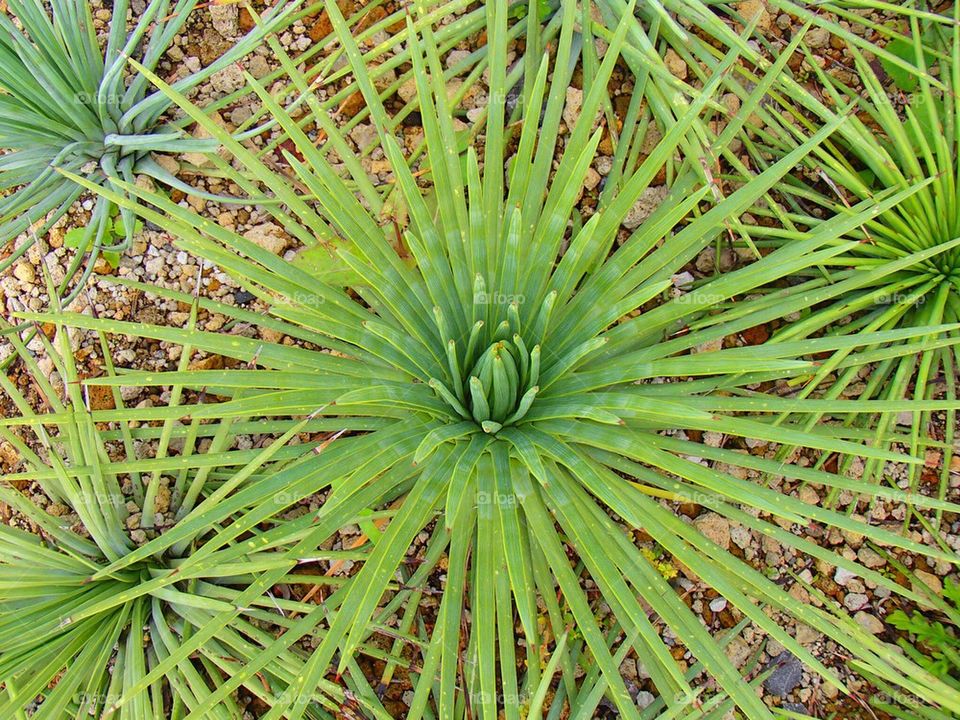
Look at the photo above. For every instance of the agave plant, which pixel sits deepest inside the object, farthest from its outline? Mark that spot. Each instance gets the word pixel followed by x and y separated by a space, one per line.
pixel 511 401
pixel 68 104
pixel 902 271
pixel 82 641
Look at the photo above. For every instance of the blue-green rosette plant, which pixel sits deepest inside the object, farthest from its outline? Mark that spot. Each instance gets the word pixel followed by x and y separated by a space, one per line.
pixel 70 104
pixel 518 397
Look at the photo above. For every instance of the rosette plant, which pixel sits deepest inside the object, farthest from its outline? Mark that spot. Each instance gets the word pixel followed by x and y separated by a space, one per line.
pixel 902 271
pixel 514 399
pixel 68 103
pixel 76 643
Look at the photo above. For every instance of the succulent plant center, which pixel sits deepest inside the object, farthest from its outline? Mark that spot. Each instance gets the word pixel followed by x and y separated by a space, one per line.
pixel 493 380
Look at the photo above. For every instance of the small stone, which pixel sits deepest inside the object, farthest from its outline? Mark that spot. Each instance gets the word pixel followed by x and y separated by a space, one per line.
pixel 930 580
pixel 9 457
pixel 154 266
pixel 571 111
pixel 100 397
pixel 738 651
pixel 167 162
pixel 270 335
pixel 842 576
pixel 806 635
pixel 211 362
pixel 715 527
pixel 227 80
pixel 786 676
pixel 741 536
pixel 869 622
pixel 650 199
pixel 713 439
pixel 240 115
pixel 870 558
pixel 644 699
pixel 808 495
pixel 855 601
pixel 796 708
pixel 749 9
pixel 269 236
pixel 225 19
pixel 817 37
pixel 408 90
pixel 352 105
pixel 259 66
pixel 592 179
pixel 24 271
pixel 707 260
pixel 675 64
pixel 718 604
pixel 162 501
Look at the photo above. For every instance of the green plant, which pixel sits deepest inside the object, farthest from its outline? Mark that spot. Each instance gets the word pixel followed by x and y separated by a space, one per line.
pixel 932 645
pixel 508 392
pixel 943 648
pixel 114 232
pixel 903 270
pixel 82 640
pixel 66 103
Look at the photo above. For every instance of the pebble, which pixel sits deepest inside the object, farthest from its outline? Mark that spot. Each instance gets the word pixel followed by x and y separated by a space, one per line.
pixel 869 622
pixel 24 271
pixel 269 236
pixel 741 536
pixel 749 9
pixel 675 64
pixel 855 601
pixel 930 580
pixel 715 527
pixel 786 676
pixel 227 80
pixel 154 266
pixel 650 199
pixel 571 111
pixel 225 19
pixel 870 558
pixel 842 576
pixel 817 37
pixel 259 67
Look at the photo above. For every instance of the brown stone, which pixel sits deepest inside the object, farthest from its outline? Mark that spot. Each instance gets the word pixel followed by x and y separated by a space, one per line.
pixel 101 397
pixel 352 105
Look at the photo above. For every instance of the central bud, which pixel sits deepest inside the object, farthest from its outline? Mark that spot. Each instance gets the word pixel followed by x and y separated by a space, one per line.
pixel 503 383
pixel 493 381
